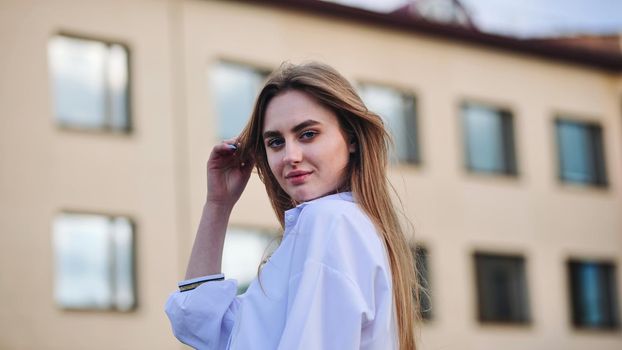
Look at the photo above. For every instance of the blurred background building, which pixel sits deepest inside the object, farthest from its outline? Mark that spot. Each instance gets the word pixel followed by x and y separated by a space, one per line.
pixel 508 161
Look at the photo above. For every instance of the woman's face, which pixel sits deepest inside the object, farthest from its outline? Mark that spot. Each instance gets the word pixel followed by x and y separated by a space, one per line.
pixel 306 149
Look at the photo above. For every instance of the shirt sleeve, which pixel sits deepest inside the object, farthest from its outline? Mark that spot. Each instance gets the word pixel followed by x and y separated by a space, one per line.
pixel 326 311
pixel 204 317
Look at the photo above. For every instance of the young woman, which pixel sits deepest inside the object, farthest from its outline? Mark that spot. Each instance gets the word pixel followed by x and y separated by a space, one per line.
pixel 343 275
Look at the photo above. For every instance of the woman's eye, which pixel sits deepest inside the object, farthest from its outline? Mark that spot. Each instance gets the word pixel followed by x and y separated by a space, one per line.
pixel 308 134
pixel 275 142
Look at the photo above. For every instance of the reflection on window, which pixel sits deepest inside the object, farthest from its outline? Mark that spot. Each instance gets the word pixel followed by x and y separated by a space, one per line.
pixel 90 83
pixel 594 295
pixel 398 110
pixel 501 288
pixel 235 88
pixel 421 260
pixel 489 137
pixel 244 250
pixel 581 154
pixel 94 262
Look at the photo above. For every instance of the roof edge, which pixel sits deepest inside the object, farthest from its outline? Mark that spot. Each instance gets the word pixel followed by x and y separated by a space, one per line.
pixel 606 61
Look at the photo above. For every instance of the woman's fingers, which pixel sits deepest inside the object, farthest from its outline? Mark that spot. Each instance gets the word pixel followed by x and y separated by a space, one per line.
pixel 223 156
pixel 227 173
pixel 226 147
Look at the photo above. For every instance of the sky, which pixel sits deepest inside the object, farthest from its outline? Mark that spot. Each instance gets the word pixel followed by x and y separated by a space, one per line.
pixel 531 18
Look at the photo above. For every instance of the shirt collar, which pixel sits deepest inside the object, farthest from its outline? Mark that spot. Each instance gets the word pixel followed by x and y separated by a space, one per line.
pixel 291 215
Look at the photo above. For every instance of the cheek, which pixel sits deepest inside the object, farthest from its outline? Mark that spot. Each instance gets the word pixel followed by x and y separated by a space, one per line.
pixel 336 156
pixel 273 163
pixel 340 150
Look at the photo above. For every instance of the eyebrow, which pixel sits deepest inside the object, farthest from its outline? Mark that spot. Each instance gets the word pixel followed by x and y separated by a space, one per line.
pixel 307 123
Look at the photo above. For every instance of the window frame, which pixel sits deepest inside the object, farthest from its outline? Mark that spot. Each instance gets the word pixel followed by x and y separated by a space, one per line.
pixel 613 324
pixel 522 305
pixel 260 69
pixel 112 277
pixel 413 96
pixel 510 166
pixel 270 234
pixel 420 251
pixel 599 161
pixel 106 129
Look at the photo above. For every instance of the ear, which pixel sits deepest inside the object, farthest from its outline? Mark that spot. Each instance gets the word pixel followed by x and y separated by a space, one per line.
pixel 352 146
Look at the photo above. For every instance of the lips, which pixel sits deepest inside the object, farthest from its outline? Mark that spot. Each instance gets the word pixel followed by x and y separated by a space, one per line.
pixel 297 177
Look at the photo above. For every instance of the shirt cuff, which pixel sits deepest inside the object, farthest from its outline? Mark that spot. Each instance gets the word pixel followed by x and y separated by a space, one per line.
pixel 195 282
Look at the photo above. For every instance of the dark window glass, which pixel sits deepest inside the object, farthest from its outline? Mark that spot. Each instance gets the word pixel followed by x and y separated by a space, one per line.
pixel 235 88
pixel 501 288
pixel 421 259
pixel 581 154
pixel 489 139
pixel 593 294
pixel 398 110
pixel 90 83
pixel 94 262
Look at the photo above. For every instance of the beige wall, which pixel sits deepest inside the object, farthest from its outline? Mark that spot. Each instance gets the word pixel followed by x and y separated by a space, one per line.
pixel 45 170
pixel 157 174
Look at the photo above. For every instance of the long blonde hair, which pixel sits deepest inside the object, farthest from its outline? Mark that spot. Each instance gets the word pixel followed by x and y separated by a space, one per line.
pixel 367 171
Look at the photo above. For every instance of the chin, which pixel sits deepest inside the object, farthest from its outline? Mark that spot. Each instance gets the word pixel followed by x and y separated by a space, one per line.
pixel 306 196
pixel 299 199
pixel 303 196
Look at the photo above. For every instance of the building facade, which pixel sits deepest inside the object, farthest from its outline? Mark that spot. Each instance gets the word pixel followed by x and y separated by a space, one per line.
pixel 507 160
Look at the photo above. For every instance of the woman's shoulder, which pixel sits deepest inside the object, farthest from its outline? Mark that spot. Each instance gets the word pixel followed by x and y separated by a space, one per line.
pixel 335 235
pixel 337 232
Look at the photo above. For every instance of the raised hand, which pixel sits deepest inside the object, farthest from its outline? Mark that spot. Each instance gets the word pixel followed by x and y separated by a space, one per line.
pixel 227 175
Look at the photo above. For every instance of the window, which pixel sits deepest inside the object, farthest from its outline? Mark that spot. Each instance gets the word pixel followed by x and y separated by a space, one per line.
pixel 89 83
pixel 489 139
pixel 398 110
pixel 581 153
pixel 501 288
pixel 235 88
pixel 244 250
pixel 421 260
pixel 593 294
pixel 94 262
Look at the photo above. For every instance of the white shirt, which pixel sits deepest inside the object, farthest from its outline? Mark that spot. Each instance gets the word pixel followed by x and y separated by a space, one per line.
pixel 327 286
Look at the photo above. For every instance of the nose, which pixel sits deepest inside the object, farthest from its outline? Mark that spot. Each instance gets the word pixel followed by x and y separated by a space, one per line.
pixel 293 153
